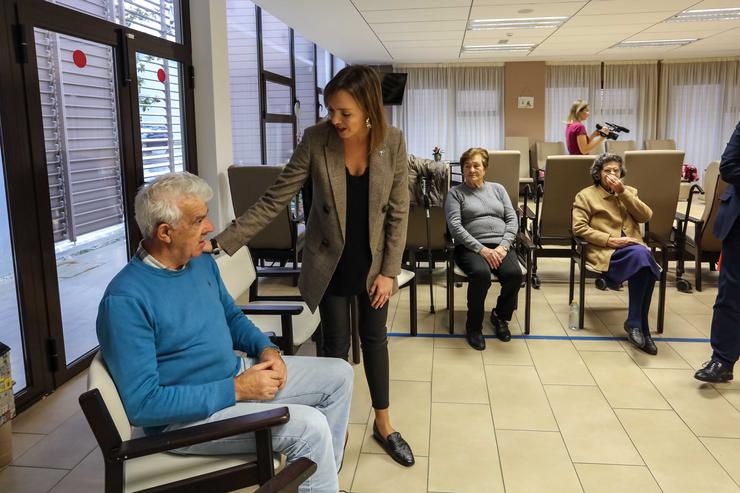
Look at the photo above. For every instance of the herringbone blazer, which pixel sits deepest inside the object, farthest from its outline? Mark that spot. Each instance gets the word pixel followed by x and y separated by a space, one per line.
pixel 320 155
pixel 598 215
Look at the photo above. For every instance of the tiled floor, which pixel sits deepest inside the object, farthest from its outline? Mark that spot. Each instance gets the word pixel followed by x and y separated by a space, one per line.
pixel 532 415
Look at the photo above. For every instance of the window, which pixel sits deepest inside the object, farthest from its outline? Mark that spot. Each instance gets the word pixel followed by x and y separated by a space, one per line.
pixel 156 17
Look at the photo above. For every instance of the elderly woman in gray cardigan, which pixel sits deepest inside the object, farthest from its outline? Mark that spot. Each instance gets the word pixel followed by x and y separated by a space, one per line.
pixel 483 225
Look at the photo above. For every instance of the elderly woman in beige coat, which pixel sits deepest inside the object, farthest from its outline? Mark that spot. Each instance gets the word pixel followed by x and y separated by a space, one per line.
pixel 608 215
pixel 356 229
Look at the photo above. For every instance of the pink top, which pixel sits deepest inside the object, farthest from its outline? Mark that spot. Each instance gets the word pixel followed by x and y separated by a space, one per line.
pixel 572 131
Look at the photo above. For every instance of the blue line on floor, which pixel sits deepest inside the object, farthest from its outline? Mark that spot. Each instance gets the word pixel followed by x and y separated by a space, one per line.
pixel 553 338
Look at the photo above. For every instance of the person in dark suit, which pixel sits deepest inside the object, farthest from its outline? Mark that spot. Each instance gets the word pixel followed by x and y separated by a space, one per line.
pixel 356 229
pixel 725 337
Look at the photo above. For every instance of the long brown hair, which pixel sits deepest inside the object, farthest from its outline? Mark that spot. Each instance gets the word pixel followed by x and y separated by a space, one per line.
pixel 363 84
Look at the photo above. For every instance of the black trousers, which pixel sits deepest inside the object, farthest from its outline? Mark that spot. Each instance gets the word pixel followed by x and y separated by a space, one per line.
pixel 641 286
pixel 725 336
pixel 479 280
pixel 336 326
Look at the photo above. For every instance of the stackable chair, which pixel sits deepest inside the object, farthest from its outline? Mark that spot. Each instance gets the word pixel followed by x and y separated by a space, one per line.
pixel 645 169
pixel 660 145
pixel 287 318
pixel 503 168
pixel 619 147
pixel 521 144
pixel 282 239
pixel 550 228
pixel 545 149
pixel 144 464
pixel 704 246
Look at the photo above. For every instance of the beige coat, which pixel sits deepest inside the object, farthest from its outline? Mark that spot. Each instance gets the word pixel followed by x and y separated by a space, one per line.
pixel 599 215
pixel 320 154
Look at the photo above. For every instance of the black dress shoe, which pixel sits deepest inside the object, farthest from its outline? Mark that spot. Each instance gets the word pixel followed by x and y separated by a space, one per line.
pixel 714 371
pixel 395 446
pixel 476 340
pixel 501 327
pixel 649 345
pixel 637 338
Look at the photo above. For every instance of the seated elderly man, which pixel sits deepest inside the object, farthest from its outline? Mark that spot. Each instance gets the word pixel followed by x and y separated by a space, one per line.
pixel 168 330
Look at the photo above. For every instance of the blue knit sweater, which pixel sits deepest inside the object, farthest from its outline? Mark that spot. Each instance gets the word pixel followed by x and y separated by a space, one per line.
pixel 168 339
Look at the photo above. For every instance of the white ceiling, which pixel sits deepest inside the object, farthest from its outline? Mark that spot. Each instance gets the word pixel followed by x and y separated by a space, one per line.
pixel 434 31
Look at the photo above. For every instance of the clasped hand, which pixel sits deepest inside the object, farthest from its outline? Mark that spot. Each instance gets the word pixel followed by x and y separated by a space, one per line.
pixel 614 184
pixel 262 381
pixel 622 242
pixel 494 256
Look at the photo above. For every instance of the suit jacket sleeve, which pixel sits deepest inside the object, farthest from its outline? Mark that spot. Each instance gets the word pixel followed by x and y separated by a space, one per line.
pixel 274 200
pixel 729 167
pixel 397 216
pixel 582 211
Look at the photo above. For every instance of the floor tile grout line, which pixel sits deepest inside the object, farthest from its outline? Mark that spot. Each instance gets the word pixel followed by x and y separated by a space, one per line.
pixel 493 424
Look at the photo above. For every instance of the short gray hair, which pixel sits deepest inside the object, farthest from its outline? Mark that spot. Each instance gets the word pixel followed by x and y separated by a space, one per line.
pixel 158 202
pixel 601 161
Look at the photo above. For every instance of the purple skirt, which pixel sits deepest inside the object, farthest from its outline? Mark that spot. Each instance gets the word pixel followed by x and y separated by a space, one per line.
pixel 625 263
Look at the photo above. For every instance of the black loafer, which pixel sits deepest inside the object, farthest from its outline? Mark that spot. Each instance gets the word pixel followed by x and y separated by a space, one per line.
pixel 501 327
pixel 395 446
pixel 649 345
pixel 714 371
pixel 476 340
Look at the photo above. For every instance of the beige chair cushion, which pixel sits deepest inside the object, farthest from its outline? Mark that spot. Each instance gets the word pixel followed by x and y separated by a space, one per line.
pixel 618 147
pixel 660 145
pixel 566 176
pixel 99 378
pixel 520 144
pixel 543 150
pixel 404 277
pixel 503 168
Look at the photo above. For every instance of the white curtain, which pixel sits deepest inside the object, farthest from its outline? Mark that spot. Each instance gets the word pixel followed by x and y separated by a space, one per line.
pixel 453 107
pixel 630 99
pixel 563 85
pixel 700 106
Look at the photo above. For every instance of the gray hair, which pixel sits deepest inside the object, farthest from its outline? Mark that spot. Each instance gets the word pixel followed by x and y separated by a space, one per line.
pixel 158 202
pixel 601 161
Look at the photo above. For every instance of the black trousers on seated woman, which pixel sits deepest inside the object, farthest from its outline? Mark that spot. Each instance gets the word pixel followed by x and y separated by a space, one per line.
pixel 636 265
pixel 478 271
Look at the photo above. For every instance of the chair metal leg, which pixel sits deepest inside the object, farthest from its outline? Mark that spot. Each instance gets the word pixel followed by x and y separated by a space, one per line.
pixel 354 321
pixel 661 289
pixel 571 280
pixel 450 297
pixel 581 291
pixel 412 307
pixel 528 295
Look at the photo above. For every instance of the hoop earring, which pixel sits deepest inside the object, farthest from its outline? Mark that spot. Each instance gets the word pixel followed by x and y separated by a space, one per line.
pixel 367 123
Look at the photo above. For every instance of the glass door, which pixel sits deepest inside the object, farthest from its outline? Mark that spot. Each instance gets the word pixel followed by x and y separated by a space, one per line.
pixel 79 107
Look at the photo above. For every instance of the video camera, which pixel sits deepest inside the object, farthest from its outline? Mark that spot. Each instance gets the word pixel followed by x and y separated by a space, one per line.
pixel 612 130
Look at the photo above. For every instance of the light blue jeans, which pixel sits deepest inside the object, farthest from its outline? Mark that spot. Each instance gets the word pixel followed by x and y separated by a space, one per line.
pixel 318 394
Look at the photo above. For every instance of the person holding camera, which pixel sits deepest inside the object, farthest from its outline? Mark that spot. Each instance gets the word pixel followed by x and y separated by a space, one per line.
pixel 484 225
pixel 608 215
pixel 577 139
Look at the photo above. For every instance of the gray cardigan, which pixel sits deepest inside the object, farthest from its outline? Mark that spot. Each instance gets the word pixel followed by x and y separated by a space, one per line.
pixel 481 215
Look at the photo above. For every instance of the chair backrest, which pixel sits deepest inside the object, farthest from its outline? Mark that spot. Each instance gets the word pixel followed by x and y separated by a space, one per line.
pixel 619 147
pixel 657 176
pixel 247 184
pixel 238 272
pixel 545 149
pixel 566 176
pixel 520 144
pixel 416 236
pixel 503 168
pixel 714 186
pixel 99 378
pixel 660 145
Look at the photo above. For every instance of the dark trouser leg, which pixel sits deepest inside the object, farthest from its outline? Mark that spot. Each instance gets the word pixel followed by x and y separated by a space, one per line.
pixel 510 275
pixel 335 326
pixel 725 335
pixel 374 338
pixel 646 304
pixel 640 286
pixel 479 280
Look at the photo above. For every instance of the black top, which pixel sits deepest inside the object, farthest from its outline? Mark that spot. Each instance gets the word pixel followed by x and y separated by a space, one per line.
pixel 350 276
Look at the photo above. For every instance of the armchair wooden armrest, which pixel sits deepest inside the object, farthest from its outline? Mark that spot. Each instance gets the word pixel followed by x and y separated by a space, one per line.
pixel 271 309
pixel 290 477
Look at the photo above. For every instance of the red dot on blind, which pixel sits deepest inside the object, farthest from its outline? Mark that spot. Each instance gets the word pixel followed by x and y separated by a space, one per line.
pixel 161 75
pixel 79 58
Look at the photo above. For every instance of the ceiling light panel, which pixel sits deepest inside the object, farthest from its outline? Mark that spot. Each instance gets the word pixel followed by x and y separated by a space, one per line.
pixel 516 23
pixel 711 15
pixel 646 43
pixel 521 47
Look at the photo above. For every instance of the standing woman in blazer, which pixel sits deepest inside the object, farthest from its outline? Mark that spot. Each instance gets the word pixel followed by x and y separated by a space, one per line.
pixel 356 230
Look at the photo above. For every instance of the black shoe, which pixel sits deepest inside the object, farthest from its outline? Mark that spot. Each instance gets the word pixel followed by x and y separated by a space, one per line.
pixel 637 338
pixel 649 346
pixel 476 340
pixel 395 446
pixel 501 327
pixel 714 371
